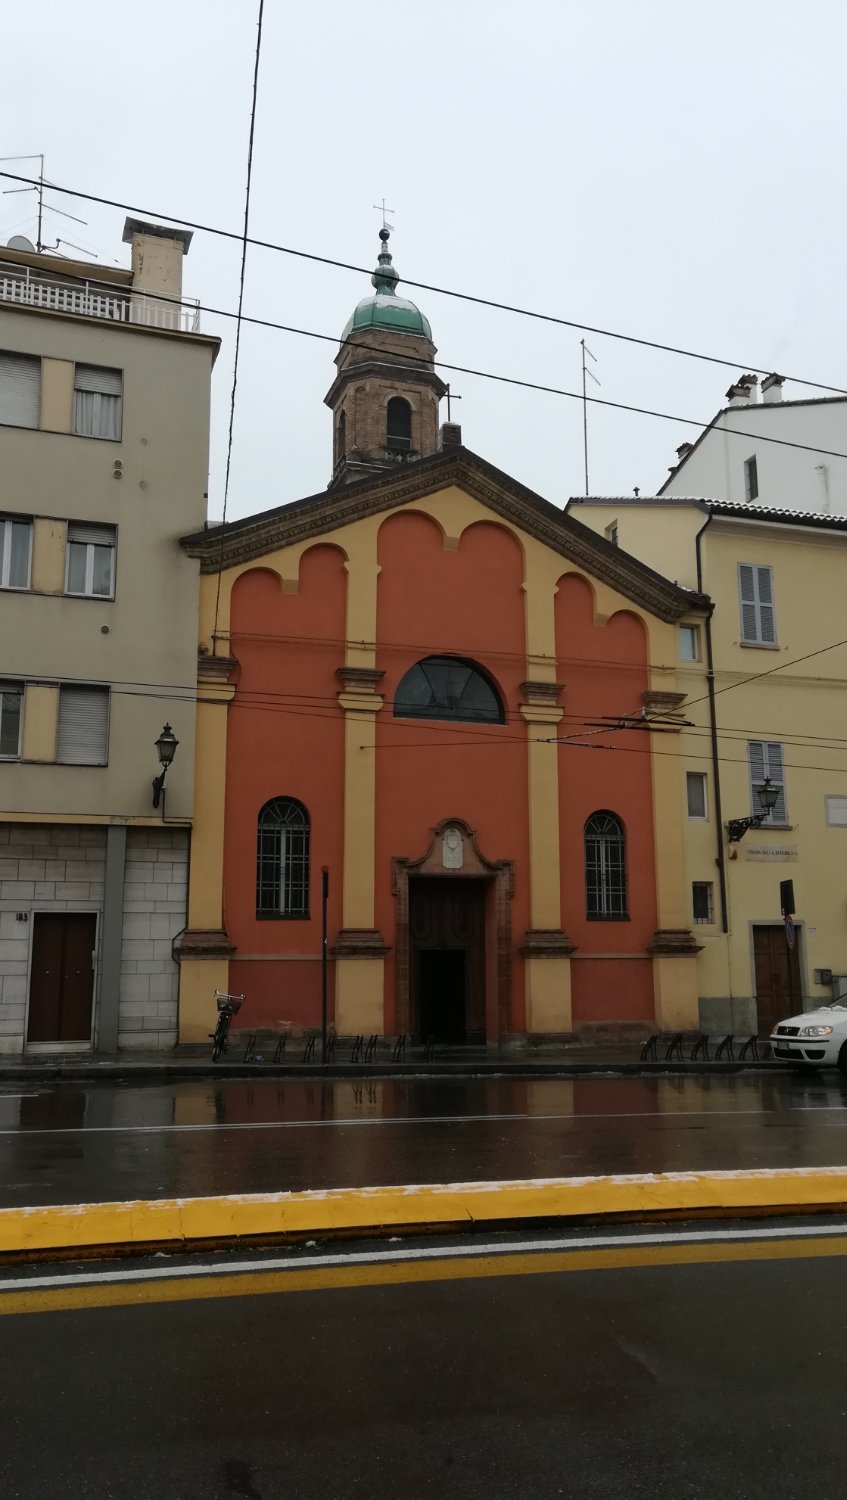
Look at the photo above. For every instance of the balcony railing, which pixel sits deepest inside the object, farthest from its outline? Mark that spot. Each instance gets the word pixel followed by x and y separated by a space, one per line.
pixel 95 300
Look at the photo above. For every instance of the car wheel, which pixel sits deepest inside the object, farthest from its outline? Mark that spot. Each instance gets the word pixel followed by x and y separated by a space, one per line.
pixel 842 1060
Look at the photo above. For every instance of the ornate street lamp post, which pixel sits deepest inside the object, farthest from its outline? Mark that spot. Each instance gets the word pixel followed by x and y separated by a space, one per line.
pixel 166 749
pixel 768 796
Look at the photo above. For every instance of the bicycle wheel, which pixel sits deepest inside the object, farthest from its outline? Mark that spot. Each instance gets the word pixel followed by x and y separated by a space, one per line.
pixel 219 1040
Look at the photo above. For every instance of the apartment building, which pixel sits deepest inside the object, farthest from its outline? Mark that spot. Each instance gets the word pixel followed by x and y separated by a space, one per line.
pixel 104 437
pixel 766 447
pixel 765 692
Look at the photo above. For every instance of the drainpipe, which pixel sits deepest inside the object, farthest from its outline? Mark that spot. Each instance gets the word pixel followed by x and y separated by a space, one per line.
pixel 713 730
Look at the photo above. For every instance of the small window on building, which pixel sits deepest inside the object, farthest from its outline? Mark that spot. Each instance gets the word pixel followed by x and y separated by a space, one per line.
pixel 702 898
pixel 689 642
pixel 764 759
pixel 20 390
pixel 751 478
pixel 605 868
pixel 91 561
pixel 695 782
pixel 758 620
pixel 11 698
pixel 282 860
pixel 612 533
pixel 83 730
pixel 97 402
pixel 341 438
pixel 399 425
pixel 15 552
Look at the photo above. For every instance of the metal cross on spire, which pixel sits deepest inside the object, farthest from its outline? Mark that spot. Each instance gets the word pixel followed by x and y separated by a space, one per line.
pixel 381 208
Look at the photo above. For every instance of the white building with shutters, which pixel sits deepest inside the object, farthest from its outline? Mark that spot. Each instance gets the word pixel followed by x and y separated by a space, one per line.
pixel 766 699
pixel 766 450
pixel 104 436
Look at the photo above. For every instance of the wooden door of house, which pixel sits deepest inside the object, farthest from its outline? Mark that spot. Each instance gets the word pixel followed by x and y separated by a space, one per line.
pixel 61 987
pixel 775 997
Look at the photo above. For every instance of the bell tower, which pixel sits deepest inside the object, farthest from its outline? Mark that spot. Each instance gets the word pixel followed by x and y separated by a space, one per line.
pixel 384 398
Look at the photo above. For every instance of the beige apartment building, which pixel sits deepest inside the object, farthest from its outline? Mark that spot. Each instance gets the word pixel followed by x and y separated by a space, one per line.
pixel 765 698
pixel 104 438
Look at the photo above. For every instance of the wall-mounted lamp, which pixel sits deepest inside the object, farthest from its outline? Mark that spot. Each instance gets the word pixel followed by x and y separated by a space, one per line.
pixel 166 749
pixel 768 796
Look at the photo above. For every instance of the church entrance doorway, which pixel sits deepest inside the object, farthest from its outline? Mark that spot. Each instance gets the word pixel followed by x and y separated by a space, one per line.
pixel 447 959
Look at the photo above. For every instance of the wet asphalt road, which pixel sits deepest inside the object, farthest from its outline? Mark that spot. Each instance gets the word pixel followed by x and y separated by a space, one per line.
pixel 677 1382
pixel 68 1143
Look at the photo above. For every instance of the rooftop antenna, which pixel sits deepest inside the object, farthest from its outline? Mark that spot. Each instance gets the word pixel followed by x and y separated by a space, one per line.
pixel 586 371
pixel 38 188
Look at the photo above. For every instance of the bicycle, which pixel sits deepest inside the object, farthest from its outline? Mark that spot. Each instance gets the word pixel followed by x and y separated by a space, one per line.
pixel 228 1006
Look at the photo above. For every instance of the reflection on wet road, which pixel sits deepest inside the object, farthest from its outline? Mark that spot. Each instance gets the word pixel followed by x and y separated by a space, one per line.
pixel 67 1143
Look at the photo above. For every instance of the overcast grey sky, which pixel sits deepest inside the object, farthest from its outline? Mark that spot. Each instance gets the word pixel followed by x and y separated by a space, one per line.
pixel 668 168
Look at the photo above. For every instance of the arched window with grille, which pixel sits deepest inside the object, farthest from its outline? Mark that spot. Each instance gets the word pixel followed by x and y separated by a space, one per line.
pixel 282 859
pixel 341 437
pixel 605 868
pixel 398 434
pixel 447 687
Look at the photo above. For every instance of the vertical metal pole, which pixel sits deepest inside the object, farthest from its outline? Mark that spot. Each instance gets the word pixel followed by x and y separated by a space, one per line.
pixel 39 245
pixel 584 416
pixel 324 957
pixel 789 955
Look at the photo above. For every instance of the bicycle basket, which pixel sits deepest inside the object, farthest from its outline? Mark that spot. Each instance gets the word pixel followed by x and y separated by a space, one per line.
pixel 229 1002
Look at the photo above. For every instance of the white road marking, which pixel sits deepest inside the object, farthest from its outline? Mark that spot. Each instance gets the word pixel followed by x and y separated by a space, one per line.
pixel 450 1252
pixel 664 1114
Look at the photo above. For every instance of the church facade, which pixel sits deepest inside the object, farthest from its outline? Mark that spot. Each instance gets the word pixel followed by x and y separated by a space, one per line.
pixel 459 703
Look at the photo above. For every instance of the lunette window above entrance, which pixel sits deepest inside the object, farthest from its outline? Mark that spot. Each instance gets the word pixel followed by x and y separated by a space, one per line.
pixel 447 687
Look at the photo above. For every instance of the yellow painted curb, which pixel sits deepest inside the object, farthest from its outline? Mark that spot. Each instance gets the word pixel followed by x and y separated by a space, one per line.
pixel 251 1215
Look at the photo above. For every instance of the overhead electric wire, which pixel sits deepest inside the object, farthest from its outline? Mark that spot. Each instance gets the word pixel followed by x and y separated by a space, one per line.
pixel 241 280
pixel 425 286
pixel 412 362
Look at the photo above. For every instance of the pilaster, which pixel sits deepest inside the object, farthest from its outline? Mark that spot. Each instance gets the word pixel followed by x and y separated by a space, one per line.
pixel 546 949
pixel 674 950
pixel 204 947
pixel 359 948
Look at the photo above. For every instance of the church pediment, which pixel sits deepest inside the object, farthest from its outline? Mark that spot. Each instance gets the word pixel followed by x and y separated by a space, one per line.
pixel 255 537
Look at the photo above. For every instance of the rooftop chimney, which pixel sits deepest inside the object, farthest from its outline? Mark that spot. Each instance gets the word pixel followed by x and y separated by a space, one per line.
pixel 157 253
pixel 772 389
pixel 451 435
pixel 743 392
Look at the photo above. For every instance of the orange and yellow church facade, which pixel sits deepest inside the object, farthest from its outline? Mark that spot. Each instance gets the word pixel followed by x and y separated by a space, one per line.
pixel 461 703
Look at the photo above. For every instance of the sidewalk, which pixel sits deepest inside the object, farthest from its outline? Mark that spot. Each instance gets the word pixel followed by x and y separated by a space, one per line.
pixel 481 1062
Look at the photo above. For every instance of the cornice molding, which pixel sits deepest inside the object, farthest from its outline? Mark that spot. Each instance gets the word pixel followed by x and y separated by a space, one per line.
pixel 503 496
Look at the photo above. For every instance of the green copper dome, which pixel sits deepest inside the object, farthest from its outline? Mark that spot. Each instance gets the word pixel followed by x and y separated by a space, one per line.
pixel 385 309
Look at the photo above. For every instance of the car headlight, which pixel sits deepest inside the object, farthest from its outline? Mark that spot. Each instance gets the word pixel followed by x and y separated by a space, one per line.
pixel 816 1031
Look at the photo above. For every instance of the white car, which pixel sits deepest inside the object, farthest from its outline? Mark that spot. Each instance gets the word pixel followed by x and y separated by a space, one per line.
pixel 818 1037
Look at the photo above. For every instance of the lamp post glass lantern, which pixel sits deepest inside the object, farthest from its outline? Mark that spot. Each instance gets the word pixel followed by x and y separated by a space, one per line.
pixel 166 746
pixel 768 796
